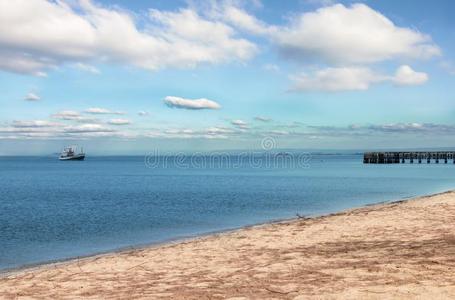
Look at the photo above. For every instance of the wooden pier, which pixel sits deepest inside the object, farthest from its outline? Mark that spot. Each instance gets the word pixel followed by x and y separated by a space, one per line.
pixel 409 157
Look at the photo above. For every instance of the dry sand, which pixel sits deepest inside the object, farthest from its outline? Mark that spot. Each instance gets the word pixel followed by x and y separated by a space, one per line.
pixel 399 250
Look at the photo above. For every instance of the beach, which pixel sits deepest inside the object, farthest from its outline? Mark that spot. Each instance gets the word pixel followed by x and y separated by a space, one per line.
pixel 403 249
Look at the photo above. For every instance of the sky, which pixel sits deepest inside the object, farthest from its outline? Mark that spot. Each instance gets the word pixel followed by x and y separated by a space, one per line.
pixel 133 77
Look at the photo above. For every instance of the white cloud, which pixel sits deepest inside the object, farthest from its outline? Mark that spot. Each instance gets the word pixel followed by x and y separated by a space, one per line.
pixel 37 35
pixel 194 104
pixel 219 131
pixel 350 35
pixel 240 124
pixel 196 40
pixel 405 75
pixel 67 115
pixel 102 111
pixel 22 62
pixel 32 97
pixel 119 122
pixel 43 129
pixel 354 78
pixel 398 127
pixel 34 124
pixel 336 79
pixel 86 68
pixel 71 115
pixel 241 19
pixel 84 128
pixel 346 37
pixel 334 33
pixel 143 113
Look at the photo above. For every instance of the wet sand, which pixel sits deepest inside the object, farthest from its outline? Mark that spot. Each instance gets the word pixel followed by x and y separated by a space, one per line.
pixel 399 250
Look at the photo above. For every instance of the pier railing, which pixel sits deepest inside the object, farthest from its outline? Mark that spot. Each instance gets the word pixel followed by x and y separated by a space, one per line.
pixel 410 157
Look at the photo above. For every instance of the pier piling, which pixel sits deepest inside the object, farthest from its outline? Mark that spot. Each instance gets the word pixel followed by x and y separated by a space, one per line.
pixel 397 157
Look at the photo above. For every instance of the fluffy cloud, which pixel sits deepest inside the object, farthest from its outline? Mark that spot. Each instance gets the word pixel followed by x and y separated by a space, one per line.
pixel 37 35
pixel 196 40
pixel 102 111
pixel 58 127
pixel 240 124
pixel 242 20
pixel 84 128
pixel 354 78
pixel 42 129
pixel 34 124
pixel 71 115
pixel 86 68
pixel 67 115
pixel 119 122
pixel 193 104
pixel 219 131
pixel 32 97
pixel 350 35
pixel 347 37
pixel 405 75
pixel 339 34
pixel 336 79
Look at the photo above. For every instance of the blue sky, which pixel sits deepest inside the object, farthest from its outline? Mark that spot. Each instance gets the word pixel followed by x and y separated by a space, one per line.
pixel 129 77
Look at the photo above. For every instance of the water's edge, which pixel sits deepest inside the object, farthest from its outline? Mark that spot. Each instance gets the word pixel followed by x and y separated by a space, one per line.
pixel 188 238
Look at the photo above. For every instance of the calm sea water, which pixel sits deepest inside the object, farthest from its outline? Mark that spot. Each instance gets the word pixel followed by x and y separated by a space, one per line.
pixel 51 210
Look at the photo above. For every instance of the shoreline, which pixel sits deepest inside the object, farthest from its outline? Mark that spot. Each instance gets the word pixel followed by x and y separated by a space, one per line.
pixel 171 241
pixel 402 247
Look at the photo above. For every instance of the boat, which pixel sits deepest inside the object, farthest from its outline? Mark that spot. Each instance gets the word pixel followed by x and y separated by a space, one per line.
pixel 69 153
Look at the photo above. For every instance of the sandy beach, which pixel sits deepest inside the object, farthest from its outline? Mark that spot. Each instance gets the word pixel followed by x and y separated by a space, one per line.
pixel 399 250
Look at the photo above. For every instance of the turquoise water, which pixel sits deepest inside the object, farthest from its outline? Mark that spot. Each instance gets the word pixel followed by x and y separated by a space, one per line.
pixel 52 210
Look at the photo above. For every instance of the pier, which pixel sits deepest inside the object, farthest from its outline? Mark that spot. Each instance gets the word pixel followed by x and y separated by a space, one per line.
pixel 409 157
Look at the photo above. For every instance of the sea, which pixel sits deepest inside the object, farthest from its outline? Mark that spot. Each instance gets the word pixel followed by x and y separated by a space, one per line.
pixel 52 210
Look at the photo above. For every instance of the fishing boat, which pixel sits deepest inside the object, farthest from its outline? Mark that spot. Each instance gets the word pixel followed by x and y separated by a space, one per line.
pixel 70 153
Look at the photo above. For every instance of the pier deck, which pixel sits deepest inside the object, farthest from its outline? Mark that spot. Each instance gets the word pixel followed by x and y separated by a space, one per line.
pixel 410 157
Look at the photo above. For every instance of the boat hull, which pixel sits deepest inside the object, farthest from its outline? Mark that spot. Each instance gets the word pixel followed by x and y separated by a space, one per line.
pixel 74 157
